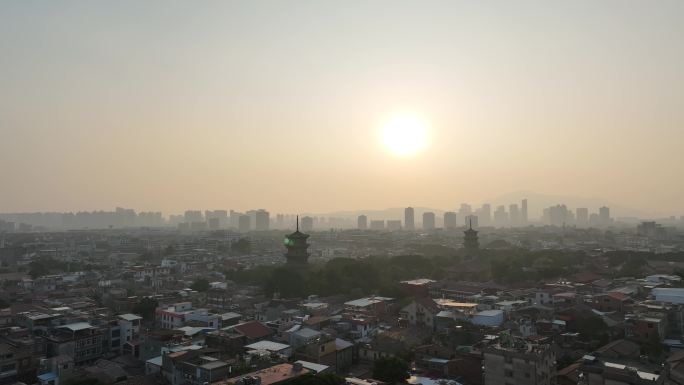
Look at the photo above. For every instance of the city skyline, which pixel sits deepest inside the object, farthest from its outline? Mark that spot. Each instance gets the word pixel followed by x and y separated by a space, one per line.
pixel 503 216
pixel 430 103
pixel 539 202
pixel 302 192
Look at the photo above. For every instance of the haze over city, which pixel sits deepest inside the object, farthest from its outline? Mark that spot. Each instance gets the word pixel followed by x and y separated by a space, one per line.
pixel 341 192
pixel 320 107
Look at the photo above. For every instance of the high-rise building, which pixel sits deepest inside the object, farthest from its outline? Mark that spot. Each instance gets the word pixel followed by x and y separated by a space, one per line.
pixel 252 216
pixel 235 219
pixel 221 215
pixel 604 216
pixel 362 222
pixel 262 220
pixel 280 221
pixel 377 224
pixel 307 224
pixel 558 215
pixel 582 217
pixel 514 215
pixel 428 221
pixel 472 220
pixel 465 210
pixel 450 220
pixel 594 220
pixel 393 225
pixel 485 214
pixel 500 217
pixel 214 223
pixel 244 223
pixel 523 213
pixel 409 219
pixel 193 216
pixel 297 247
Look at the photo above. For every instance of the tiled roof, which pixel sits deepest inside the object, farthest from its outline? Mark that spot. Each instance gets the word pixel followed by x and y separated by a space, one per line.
pixel 618 296
pixel 253 330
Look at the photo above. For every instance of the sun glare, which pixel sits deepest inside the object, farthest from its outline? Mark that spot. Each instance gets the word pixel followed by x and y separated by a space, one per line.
pixel 404 135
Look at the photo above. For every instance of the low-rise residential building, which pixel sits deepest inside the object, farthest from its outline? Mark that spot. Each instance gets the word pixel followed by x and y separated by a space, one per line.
pixel 81 341
pixel 514 361
pixel 645 327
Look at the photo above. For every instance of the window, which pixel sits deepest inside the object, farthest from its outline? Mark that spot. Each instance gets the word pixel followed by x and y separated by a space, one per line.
pixel 322 348
pixel 527 375
pixel 650 326
pixel 508 373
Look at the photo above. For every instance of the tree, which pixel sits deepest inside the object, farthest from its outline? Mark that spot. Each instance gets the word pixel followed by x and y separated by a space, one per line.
pixel 390 369
pixel 146 307
pixel 200 285
pixel 242 246
pixel 38 269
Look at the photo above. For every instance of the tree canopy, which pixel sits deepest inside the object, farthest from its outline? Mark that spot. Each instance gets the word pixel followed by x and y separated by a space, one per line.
pixel 390 369
pixel 200 285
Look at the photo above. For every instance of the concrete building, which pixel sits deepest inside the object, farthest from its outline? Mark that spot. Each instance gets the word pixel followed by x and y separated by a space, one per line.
pixel 472 220
pixel 393 225
pixel 450 220
pixel 428 221
pixel 377 224
pixel 409 219
pixel 491 318
pixel 307 224
pixel 262 220
pixel 582 217
pixel 80 340
pixel 513 361
pixel 362 222
pixel 604 216
pixel 514 215
pixel 244 223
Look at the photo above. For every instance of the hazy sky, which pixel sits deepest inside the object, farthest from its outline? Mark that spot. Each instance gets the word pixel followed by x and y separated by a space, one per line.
pixel 277 104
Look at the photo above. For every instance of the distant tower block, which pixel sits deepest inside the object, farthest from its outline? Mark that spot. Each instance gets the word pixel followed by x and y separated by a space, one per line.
pixel 470 241
pixel 297 247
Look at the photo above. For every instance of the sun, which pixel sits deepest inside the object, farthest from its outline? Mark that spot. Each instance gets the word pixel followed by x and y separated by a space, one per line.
pixel 404 135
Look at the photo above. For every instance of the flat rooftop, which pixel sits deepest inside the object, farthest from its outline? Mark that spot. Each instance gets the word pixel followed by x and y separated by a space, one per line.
pixel 273 375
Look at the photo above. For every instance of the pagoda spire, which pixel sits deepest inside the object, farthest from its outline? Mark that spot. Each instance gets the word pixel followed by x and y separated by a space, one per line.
pixel 297 246
pixel 470 240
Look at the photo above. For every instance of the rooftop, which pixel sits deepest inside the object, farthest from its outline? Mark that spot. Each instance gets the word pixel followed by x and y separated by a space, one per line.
pixel 450 303
pixel 77 326
pixel 267 345
pixel 129 317
pixel 363 302
pixel 419 282
pixel 273 375
pixel 313 367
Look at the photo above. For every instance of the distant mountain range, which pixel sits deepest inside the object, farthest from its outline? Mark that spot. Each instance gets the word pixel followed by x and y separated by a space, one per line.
pixel 536 204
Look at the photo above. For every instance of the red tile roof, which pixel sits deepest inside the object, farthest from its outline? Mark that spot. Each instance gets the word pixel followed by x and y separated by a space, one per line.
pixel 618 296
pixel 253 330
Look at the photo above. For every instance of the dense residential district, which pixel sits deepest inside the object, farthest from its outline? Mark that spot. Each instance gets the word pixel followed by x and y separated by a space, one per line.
pixel 579 299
